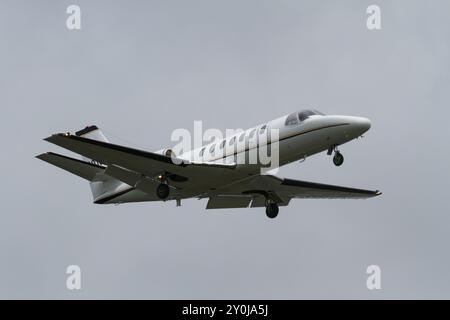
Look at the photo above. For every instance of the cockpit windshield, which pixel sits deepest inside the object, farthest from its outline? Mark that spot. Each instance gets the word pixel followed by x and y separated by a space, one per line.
pixel 298 117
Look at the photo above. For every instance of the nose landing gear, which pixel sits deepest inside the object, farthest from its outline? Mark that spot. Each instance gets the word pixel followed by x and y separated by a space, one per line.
pixel 338 158
pixel 272 210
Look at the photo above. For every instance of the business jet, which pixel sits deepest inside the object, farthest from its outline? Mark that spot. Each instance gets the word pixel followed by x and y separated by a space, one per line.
pixel 120 174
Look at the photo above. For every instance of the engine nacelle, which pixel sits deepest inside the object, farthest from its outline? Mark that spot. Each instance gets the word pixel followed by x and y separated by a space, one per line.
pixel 167 152
pixel 172 155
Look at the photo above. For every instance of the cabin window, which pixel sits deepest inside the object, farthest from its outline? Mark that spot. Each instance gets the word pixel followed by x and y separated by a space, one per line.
pixel 242 136
pixel 263 129
pixel 222 144
pixel 232 141
pixel 202 152
pixel 252 133
pixel 211 149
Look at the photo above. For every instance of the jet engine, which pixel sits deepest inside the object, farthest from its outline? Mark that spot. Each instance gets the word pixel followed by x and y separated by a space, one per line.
pixel 167 152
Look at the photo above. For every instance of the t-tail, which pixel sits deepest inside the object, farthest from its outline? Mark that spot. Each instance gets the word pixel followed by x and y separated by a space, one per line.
pixel 102 185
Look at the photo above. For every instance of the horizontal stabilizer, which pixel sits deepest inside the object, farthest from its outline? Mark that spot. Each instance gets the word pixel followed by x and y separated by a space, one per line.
pixel 85 170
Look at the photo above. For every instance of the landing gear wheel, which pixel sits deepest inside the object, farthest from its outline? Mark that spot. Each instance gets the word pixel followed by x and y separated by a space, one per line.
pixel 162 191
pixel 272 210
pixel 338 159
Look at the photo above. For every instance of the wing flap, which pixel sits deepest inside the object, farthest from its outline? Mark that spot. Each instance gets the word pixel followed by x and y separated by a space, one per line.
pixel 124 175
pixel 134 179
pixel 306 189
pixel 260 201
pixel 224 202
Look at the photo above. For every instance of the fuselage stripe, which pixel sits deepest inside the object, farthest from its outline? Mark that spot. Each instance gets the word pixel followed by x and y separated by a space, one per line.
pixel 285 138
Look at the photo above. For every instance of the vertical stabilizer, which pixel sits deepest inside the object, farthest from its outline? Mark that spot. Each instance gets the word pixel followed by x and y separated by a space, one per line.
pixel 103 184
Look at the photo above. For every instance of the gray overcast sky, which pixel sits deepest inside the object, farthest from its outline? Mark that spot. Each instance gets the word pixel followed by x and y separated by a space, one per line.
pixel 141 69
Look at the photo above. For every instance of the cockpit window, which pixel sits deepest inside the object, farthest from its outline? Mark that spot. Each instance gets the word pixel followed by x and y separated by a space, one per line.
pixel 295 117
pixel 291 119
pixel 303 115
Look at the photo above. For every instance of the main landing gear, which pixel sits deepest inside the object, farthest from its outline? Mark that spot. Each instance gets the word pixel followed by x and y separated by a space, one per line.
pixel 271 210
pixel 338 158
pixel 163 189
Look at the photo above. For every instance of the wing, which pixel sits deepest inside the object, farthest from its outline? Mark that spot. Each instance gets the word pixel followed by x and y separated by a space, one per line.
pixel 254 192
pixel 129 165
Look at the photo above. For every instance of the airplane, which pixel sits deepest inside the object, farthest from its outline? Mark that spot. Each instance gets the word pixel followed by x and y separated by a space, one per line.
pixel 118 174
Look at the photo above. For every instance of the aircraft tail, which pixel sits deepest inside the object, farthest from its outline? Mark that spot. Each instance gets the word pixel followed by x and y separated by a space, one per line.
pixel 101 185
pixel 91 132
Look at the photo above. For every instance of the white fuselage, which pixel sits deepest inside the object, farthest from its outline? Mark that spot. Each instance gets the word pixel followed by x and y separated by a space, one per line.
pixel 296 141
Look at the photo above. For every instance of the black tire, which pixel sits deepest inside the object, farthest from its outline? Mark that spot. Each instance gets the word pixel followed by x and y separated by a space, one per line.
pixel 272 210
pixel 162 191
pixel 338 159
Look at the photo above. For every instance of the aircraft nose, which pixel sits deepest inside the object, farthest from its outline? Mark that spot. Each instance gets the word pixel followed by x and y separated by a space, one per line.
pixel 358 125
pixel 362 124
